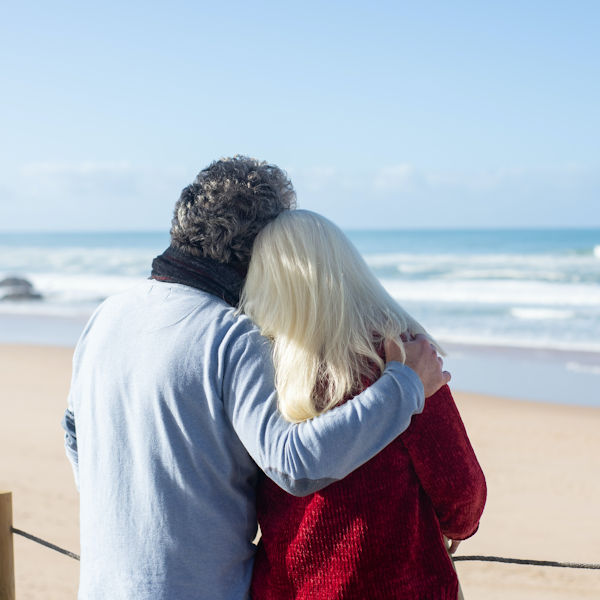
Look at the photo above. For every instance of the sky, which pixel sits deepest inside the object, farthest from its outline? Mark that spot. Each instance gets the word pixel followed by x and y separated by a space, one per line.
pixel 384 114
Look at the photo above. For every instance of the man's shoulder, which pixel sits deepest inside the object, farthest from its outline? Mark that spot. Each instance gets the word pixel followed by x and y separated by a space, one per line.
pixel 201 311
pixel 174 319
pixel 151 306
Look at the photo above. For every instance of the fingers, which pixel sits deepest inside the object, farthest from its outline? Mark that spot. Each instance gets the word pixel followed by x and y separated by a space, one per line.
pixel 421 344
pixel 437 376
pixel 422 357
pixel 446 375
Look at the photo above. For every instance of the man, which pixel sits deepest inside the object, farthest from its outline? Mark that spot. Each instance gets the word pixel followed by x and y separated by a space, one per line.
pixel 172 407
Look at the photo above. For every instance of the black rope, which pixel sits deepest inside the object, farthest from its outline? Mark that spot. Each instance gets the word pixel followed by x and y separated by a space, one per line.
pixel 44 543
pixel 522 561
pixel 500 559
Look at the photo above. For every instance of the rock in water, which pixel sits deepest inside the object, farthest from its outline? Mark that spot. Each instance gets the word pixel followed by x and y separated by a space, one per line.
pixel 17 288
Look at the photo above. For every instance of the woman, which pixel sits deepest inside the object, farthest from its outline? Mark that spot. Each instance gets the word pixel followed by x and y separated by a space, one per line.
pixel 378 533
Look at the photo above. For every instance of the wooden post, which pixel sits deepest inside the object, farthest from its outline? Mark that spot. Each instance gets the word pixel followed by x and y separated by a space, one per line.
pixel 7 560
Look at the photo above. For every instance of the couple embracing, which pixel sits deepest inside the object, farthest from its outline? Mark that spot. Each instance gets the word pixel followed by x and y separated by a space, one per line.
pixel 263 375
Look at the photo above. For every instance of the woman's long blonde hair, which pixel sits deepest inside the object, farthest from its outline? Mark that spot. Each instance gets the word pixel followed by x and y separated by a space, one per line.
pixel 309 291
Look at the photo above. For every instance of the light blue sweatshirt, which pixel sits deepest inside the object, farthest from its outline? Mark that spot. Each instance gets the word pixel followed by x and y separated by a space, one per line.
pixel 172 407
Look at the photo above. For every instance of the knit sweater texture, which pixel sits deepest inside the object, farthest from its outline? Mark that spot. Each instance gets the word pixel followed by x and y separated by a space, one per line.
pixel 378 533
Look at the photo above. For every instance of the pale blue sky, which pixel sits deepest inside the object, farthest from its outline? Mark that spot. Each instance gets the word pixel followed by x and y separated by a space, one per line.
pixel 393 114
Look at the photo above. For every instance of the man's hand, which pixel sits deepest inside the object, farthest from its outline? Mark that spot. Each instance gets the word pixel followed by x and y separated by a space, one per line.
pixel 423 359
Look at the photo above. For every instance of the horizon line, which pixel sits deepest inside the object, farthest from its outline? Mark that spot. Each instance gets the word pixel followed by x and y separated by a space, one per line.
pixel 349 229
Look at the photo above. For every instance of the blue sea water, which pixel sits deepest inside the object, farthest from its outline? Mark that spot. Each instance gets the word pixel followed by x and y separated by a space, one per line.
pixel 529 297
pixel 532 288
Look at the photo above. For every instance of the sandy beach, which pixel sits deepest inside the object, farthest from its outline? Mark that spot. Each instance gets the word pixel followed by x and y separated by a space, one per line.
pixel 542 463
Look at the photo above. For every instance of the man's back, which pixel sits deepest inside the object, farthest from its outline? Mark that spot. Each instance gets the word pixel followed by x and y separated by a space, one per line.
pixel 166 486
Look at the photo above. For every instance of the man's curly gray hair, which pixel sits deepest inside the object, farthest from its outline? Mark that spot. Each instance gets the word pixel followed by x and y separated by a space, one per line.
pixel 230 201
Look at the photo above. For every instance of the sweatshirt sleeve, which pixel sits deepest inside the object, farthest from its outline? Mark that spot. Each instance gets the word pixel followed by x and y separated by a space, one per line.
pixel 446 465
pixel 305 457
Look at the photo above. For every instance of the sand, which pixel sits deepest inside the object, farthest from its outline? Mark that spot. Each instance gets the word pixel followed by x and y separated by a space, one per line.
pixel 542 464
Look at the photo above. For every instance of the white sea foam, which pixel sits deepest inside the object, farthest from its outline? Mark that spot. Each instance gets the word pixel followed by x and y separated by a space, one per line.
pixel 65 294
pixel 512 293
pixel 461 293
pixel 571 268
pixel 80 288
pixel 75 260
pixel 583 368
pixel 520 341
pixel 541 314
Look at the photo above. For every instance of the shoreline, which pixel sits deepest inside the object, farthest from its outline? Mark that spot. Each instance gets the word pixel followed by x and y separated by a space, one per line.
pixel 541 463
pixel 570 378
pixel 559 376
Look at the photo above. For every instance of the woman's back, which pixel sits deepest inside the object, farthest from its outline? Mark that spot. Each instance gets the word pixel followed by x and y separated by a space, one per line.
pixel 379 532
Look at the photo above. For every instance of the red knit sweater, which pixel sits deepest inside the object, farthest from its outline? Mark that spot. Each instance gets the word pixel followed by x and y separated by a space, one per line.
pixel 377 534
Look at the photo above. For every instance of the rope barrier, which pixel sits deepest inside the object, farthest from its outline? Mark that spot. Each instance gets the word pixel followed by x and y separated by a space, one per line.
pixel 500 559
pixel 523 561
pixel 44 543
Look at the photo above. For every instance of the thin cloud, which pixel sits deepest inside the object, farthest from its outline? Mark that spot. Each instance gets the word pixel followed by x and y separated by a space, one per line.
pixel 396 177
pixel 78 168
pixel 90 194
pixel 405 177
pixel 314 179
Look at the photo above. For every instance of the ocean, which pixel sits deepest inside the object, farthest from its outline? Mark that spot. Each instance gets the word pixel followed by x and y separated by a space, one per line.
pixel 517 310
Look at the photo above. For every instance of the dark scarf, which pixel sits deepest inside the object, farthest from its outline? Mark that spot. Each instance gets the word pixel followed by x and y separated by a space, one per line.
pixel 199 272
